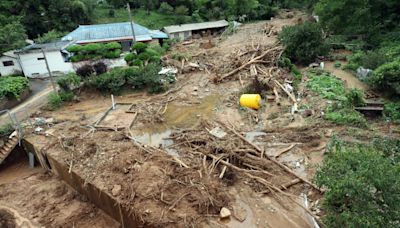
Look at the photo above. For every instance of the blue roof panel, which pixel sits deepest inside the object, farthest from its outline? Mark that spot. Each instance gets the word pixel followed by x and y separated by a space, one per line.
pixel 113 31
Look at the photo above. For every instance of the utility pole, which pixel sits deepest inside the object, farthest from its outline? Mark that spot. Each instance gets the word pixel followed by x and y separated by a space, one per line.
pixel 48 69
pixel 131 20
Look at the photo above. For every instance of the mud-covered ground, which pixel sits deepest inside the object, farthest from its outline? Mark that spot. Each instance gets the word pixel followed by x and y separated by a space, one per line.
pixel 30 197
pixel 168 170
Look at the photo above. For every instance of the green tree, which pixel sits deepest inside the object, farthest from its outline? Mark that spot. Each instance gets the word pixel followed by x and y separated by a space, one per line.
pixel 50 36
pixel 367 18
pixel 303 43
pixel 12 35
pixel 181 12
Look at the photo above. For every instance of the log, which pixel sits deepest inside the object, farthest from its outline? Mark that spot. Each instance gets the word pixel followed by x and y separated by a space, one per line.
pixel 249 63
pixel 253 71
pixel 287 169
pixel 284 150
pixel 290 95
pixel 284 186
pixel 277 97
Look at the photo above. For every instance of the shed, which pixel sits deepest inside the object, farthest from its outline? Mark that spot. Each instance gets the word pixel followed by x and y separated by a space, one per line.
pixel 33 62
pixel 113 32
pixel 9 64
pixel 186 31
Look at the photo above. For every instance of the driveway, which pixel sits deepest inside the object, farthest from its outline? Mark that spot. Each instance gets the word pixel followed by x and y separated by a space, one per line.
pixel 40 91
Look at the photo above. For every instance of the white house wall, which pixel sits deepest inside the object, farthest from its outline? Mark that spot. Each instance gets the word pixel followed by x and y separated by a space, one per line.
pixel 33 67
pixel 9 70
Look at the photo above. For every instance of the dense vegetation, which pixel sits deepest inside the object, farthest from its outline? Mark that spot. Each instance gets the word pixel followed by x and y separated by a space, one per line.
pixel 341 110
pixel 95 51
pixel 12 87
pixel 303 43
pixel 363 183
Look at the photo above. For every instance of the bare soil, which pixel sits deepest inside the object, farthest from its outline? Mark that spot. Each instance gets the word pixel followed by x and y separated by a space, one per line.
pixel 32 198
pixel 168 170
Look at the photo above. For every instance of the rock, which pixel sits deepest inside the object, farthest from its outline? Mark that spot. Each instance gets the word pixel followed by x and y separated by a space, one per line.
pixel 195 94
pixel 196 88
pixel 116 190
pixel 218 132
pixel 225 213
pixel 239 213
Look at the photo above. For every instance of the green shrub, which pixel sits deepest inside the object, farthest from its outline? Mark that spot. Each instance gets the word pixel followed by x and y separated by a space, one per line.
pixel 338 64
pixel 6 130
pixel 136 62
pixel 66 96
pixel 75 48
pixel 139 47
pixel 326 85
pixel 54 101
pixel 392 111
pixel 92 48
pixel 390 147
pixel 69 81
pixel 12 87
pixel 113 46
pixel 77 58
pixel 303 43
pixel 113 81
pixel 113 54
pixel 130 57
pixel 368 60
pixel 386 77
pixel 363 188
pixel 345 116
pixel 144 56
pixel 355 98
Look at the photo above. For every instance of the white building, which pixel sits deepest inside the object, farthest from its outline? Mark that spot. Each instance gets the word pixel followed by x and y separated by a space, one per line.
pixel 187 31
pixel 9 64
pixel 33 62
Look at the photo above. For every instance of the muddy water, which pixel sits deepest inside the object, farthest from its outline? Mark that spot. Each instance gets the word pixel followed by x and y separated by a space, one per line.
pixel 350 80
pixel 176 116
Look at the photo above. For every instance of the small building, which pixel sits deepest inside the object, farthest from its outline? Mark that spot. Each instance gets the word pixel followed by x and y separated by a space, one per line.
pixel 187 31
pixel 33 62
pixel 9 64
pixel 113 32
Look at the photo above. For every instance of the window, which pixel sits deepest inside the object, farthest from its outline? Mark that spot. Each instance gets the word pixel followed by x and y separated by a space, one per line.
pixel 8 63
pixel 42 58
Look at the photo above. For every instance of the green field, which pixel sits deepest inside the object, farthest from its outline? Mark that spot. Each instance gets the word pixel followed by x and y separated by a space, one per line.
pixel 154 20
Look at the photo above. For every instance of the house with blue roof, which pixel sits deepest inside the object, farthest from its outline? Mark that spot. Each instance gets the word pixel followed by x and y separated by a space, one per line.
pixel 113 32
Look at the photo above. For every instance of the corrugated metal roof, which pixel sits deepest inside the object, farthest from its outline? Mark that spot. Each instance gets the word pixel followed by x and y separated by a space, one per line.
pixel 196 26
pixel 10 54
pixel 111 32
pixel 53 46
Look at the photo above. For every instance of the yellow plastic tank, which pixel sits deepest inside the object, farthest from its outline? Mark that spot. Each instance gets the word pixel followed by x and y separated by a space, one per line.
pixel 252 101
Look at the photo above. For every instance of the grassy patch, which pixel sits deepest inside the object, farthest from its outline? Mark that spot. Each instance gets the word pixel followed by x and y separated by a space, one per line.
pixel 12 87
pixel 341 110
pixel 346 116
pixel 327 86
pixel 153 21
